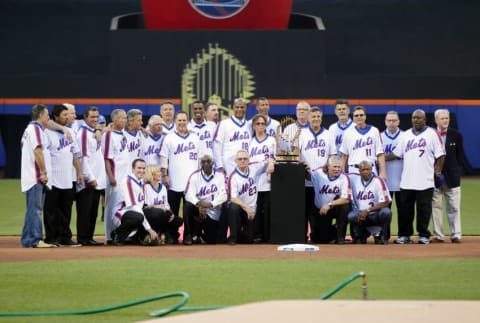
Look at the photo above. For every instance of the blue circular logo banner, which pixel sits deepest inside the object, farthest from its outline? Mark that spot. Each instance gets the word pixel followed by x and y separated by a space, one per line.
pixel 218 9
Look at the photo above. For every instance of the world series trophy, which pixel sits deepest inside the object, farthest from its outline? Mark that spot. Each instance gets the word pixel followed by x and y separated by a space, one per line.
pixel 287 136
pixel 287 192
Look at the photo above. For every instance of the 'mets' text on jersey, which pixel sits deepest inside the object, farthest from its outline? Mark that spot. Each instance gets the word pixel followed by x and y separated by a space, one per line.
pixel 329 188
pixel 201 187
pixel 243 186
pixel 419 151
pixel 230 136
pixel 182 153
pixel 362 144
pixel 368 193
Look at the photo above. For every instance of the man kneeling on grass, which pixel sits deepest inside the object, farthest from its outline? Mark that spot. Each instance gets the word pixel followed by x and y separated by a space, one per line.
pixel 131 224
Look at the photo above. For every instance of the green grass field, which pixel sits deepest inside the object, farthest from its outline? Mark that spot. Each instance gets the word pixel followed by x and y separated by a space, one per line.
pixel 82 284
pixel 73 285
pixel 12 206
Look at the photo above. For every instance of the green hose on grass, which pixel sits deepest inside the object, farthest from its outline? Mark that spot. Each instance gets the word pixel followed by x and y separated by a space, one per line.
pixel 176 307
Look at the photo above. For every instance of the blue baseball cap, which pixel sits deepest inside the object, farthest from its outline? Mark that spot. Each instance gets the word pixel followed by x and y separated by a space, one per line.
pixel 101 119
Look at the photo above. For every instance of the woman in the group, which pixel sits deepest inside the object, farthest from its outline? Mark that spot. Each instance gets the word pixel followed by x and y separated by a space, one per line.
pixel 157 209
pixel 260 149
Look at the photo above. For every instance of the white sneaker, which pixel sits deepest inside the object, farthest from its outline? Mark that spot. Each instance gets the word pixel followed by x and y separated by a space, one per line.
pixel 403 240
pixel 423 240
pixel 43 244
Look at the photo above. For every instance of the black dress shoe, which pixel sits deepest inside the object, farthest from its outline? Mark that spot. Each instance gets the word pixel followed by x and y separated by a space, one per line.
pixel 90 242
pixel 69 243
pixel 94 243
pixel 187 240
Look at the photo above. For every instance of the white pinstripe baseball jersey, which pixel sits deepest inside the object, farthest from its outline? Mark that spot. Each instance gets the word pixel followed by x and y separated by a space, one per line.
pixel 419 151
pixel 329 188
pixel 361 144
pixel 261 151
pixel 367 194
pixel 134 144
pixel 133 199
pixel 157 196
pixel 315 148
pixel 114 147
pixel 201 187
pixel 62 152
pixel 182 153
pixel 205 132
pixel 93 164
pixel 167 129
pixel 150 151
pixel 244 186
pixel 231 136
pixel 394 167
pixel 337 130
pixel 33 137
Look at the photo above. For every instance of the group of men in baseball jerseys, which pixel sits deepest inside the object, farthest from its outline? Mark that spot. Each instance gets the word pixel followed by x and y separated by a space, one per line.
pixel 219 170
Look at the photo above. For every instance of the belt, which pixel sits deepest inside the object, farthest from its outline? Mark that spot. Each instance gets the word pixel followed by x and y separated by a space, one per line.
pixel 358 165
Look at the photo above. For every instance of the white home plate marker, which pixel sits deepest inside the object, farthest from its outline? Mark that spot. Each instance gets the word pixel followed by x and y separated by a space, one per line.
pixel 297 247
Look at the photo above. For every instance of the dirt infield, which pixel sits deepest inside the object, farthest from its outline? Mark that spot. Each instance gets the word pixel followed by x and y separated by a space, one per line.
pixel 11 251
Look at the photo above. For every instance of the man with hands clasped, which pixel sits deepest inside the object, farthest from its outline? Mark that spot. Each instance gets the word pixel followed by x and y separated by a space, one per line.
pixel 204 195
pixel 370 213
pixel 242 184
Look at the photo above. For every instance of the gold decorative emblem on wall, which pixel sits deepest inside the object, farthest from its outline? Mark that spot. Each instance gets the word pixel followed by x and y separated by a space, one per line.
pixel 216 75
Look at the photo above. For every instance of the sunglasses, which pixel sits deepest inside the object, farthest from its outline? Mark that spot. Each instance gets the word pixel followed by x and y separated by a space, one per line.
pixel 358 115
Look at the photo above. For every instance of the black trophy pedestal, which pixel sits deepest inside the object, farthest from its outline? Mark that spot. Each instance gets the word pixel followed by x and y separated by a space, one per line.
pixel 287 219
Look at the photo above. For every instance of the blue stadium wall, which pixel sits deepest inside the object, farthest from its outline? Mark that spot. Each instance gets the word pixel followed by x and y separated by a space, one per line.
pixel 398 70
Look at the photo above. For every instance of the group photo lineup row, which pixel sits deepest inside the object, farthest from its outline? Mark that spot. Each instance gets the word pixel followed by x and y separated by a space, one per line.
pixel 200 180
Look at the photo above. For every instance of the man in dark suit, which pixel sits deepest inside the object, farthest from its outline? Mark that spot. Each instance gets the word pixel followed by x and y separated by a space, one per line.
pixel 450 188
